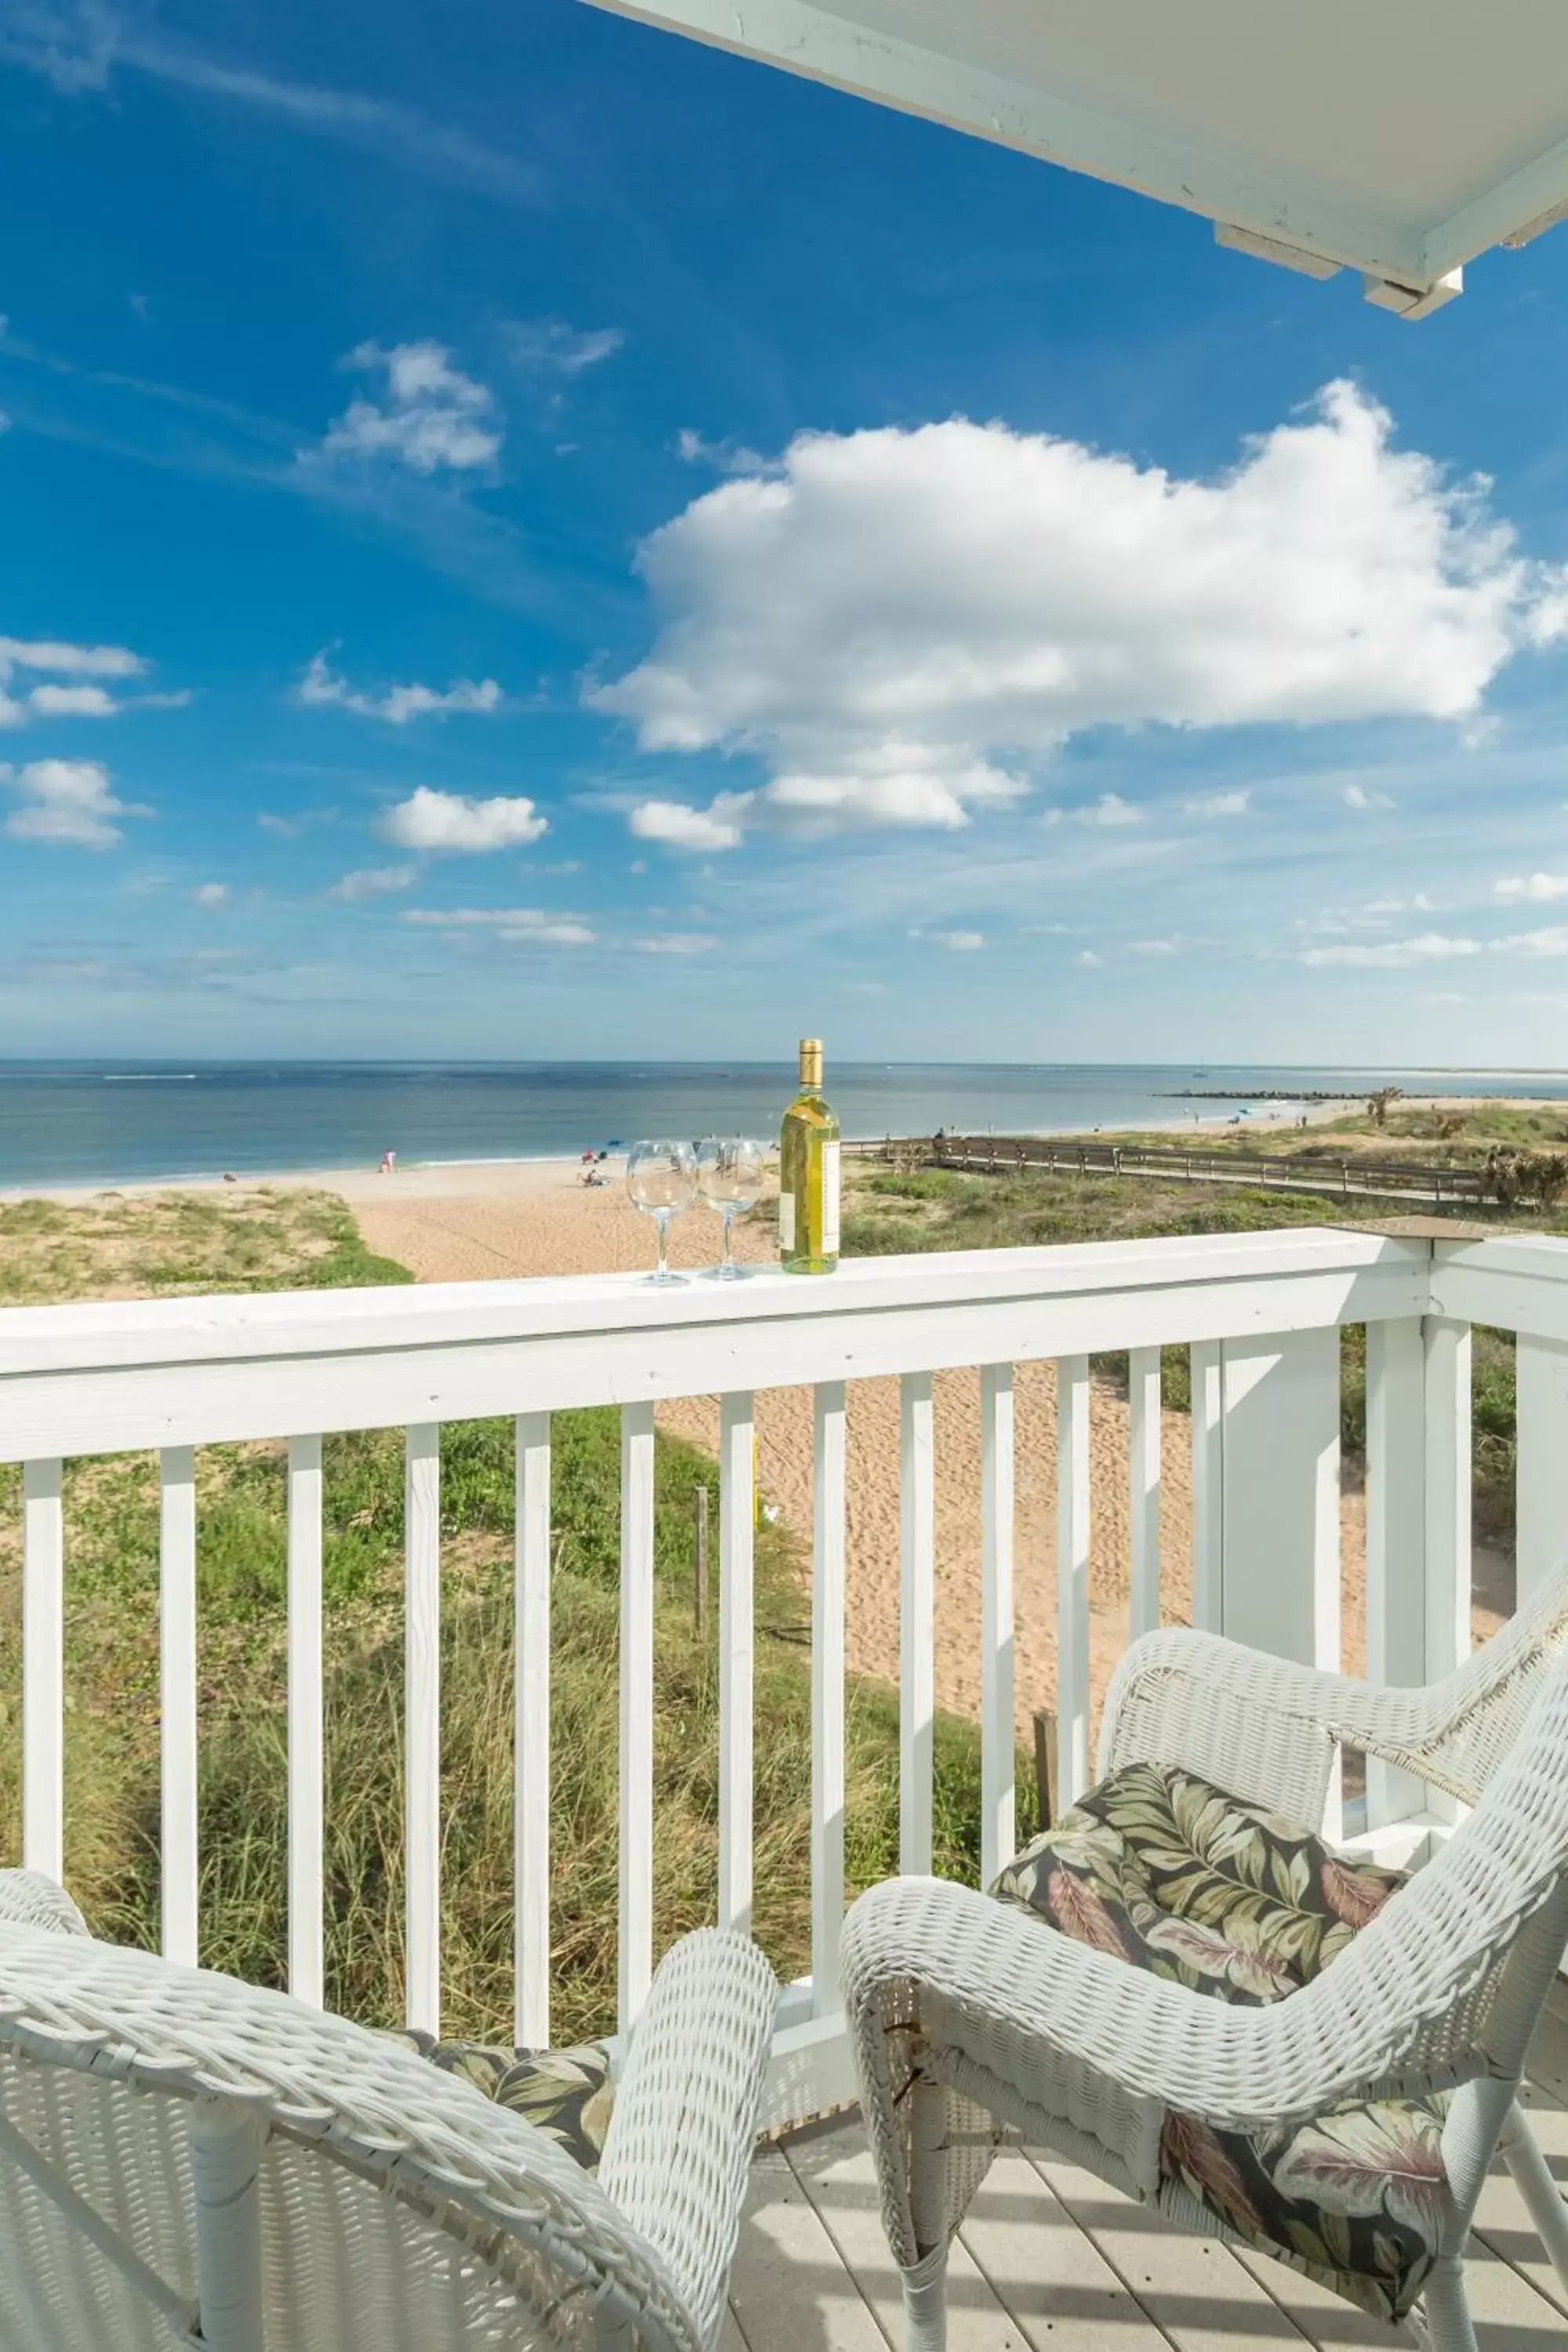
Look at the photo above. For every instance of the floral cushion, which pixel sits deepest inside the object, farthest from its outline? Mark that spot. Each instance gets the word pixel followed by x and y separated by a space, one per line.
pixel 565 2094
pixel 1176 1876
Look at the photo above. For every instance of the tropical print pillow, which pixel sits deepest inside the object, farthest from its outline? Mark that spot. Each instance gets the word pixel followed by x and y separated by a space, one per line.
pixel 1176 1876
pixel 565 2094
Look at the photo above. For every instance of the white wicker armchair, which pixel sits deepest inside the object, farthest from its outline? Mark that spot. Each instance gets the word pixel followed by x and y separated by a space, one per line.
pixel 185 2160
pixel 971 2019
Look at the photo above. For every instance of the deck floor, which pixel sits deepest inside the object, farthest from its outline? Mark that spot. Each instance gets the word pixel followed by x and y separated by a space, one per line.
pixel 1051 2259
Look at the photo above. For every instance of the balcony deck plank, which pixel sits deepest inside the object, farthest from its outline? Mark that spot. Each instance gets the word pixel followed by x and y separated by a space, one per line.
pixel 1052 2260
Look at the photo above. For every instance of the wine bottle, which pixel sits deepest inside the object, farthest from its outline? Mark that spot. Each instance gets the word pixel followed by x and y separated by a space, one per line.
pixel 808 1173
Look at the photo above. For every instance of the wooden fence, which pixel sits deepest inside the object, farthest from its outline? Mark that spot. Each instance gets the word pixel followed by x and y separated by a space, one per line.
pixel 1342 1180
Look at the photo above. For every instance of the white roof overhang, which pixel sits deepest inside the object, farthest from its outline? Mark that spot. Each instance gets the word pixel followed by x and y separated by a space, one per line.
pixel 1396 136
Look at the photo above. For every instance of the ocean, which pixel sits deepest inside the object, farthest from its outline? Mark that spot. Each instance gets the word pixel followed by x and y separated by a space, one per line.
pixel 110 1122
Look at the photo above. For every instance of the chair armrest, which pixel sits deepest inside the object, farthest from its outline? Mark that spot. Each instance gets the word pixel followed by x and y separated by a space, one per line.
pixel 678 2152
pixel 1266 1728
pixel 29 1899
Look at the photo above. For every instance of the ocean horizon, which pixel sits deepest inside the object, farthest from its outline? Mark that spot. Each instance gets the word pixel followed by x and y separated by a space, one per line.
pixel 107 1122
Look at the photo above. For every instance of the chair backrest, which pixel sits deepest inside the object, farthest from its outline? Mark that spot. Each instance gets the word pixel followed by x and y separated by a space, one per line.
pixel 1488 1702
pixel 397 2209
pixel 1460 1961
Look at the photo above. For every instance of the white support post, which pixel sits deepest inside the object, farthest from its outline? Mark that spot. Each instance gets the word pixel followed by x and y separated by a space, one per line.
pixel 1072 1579
pixel 917 1623
pixel 530 1735
pixel 1145 1467
pixel 635 1970
pixel 737 1523
pixel 827 1696
pixel 43 1670
pixel 1395 1539
pixel 1279 1577
pixel 998 1745
pixel 226 2141
pixel 1448 1495
pixel 177 1699
pixel 422 1724
pixel 307 1975
pixel 1207 1417
pixel 1540 1378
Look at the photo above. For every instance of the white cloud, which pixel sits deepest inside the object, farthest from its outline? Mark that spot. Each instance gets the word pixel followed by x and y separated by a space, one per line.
pixel 1356 796
pixel 1430 947
pixel 1537 887
pixel 431 415
pixel 1553 942
pixel 1109 809
pixel 210 894
pixel 67 801
pixel 676 943
pixel 549 347
pixel 373 882
pixel 83 667
pixel 4 422
pixel 1158 947
pixel 902 621
pixel 718 826
pixel 518 926
pixel 1232 803
pixel 433 820
pixel 1087 956
pixel 960 943
pixel 726 457
pixel 320 685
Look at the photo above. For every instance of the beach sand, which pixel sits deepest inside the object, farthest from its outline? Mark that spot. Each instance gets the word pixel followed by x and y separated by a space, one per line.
pixel 487 1221
pixel 506 1221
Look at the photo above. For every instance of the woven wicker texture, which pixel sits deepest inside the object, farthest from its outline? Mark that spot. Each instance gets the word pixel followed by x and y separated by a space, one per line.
pixel 399 2207
pixel 967 2020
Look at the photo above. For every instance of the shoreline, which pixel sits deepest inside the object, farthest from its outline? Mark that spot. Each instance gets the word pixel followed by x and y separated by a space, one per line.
pixel 517 1173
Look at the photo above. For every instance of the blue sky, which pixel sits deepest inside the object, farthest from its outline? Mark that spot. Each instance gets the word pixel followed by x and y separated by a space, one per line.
pixel 528 537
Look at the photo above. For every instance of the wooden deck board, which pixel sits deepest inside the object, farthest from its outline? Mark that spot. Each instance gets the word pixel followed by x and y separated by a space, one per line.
pixel 1052 2260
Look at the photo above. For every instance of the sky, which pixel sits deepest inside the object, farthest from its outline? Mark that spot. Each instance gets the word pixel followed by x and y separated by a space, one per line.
pixel 527 536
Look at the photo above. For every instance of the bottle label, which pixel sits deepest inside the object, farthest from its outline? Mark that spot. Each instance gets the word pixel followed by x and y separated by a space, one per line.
pixel 787 1220
pixel 830 1200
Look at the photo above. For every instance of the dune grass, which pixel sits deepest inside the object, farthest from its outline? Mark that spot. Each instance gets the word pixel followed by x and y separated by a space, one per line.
pixel 204 1243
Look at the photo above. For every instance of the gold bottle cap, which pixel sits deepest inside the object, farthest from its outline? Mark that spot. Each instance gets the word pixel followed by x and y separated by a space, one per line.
pixel 811 1061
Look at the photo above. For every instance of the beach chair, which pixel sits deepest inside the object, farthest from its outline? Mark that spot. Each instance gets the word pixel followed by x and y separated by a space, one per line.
pixel 187 2161
pixel 1184 1989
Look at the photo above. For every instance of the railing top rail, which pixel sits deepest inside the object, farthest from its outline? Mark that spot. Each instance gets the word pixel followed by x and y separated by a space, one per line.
pixel 101 1334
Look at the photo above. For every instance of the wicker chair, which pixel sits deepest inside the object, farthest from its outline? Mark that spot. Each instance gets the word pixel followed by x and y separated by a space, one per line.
pixel 974 2022
pixel 184 2160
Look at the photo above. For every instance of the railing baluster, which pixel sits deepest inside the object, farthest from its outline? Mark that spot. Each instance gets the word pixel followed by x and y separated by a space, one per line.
pixel 917 1622
pixel 530 1735
pixel 1207 1417
pixel 827 1695
pixel 306 1979
pixel 998 1767
pixel 635 1942
pixel 737 1521
pixel 177 1698
pixel 422 1722
pixel 1541 1476
pixel 1448 1475
pixel 42 1669
pixel 1072 1579
pixel 1145 1471
pixel 1395 1538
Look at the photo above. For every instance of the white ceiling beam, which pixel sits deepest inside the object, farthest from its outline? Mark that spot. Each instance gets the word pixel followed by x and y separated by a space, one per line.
pixel 1516 210
pixel 812 41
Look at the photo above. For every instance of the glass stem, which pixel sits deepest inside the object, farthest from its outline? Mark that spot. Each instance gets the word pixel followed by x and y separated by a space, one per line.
pixel 661 1219
pixel 727 1263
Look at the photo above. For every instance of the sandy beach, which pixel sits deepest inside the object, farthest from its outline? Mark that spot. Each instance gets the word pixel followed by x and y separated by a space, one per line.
pixel 490 1220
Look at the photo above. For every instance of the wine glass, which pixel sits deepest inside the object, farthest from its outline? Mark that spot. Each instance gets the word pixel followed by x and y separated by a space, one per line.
pixel 729 1179
pixel 661 1178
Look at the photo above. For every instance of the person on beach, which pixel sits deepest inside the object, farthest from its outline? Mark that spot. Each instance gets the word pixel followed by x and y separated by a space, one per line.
pixel 388 1164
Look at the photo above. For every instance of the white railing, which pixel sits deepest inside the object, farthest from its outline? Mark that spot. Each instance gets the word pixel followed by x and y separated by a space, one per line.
pixel 1260 1313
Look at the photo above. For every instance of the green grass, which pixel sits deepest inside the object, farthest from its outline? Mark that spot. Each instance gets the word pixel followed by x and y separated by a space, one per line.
pixel 111 1844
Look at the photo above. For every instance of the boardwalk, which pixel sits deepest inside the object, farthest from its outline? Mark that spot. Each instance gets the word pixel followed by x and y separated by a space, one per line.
pixel 1053 2260
pixel 1335 1179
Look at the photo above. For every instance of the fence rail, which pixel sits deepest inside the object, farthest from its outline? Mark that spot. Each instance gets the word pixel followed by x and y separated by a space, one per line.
pixel 1260 1313
pixel 1340 1179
